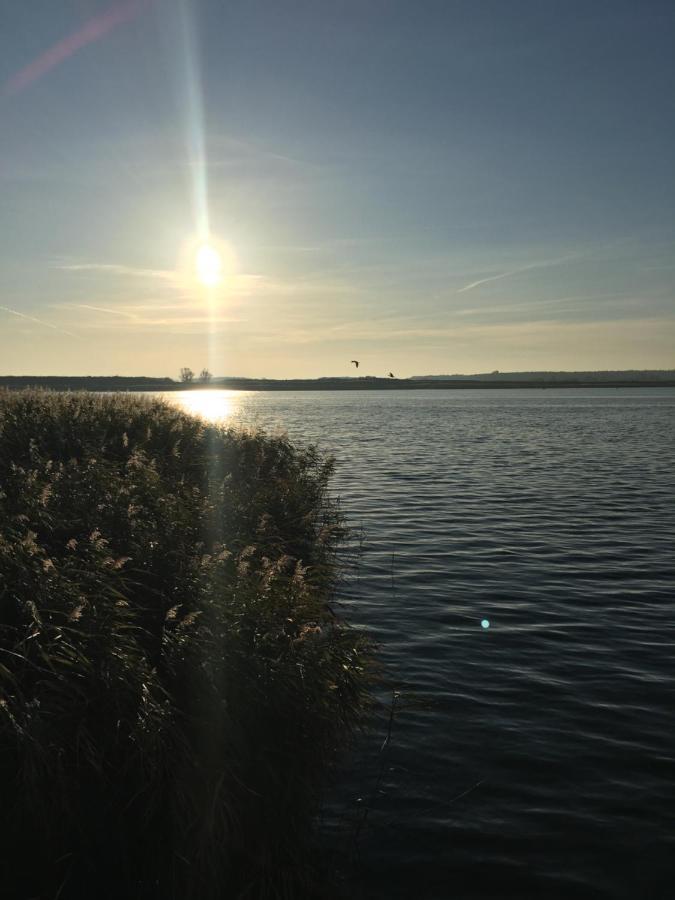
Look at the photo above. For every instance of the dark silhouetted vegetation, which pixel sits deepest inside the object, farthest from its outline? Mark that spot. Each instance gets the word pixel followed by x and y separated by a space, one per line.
pixel 173 684
pixel 188 381
pixel 88 382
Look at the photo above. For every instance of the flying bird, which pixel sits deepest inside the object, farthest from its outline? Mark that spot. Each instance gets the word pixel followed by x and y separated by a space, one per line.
pixel 356 362
pixel 391 375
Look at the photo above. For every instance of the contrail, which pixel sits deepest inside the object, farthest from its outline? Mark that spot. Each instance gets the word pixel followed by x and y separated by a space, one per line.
pixel 91 31
pixel 105 309
pixel 117 269
pixel 537 265
pixel 14 312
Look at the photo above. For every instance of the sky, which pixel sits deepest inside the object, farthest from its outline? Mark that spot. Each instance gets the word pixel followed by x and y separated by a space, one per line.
pixel 428 187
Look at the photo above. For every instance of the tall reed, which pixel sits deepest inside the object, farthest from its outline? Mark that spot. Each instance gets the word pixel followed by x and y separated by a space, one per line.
pixel 173 684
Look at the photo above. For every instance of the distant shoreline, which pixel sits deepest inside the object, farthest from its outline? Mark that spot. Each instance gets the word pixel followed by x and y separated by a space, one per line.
pixel 120 383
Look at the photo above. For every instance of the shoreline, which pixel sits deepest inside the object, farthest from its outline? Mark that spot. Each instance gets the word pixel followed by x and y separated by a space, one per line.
pixel 132 385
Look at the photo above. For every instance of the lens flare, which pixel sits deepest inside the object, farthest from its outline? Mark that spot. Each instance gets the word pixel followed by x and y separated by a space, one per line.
pixel 93 30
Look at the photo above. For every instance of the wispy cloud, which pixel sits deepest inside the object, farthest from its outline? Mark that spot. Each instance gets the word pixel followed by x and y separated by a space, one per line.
pixel 533 307
pixel 146 317
pixel 20 315
pixel 105 309
pixel 118 269
pixel 543 264
pixel 525 334
pixel 225 150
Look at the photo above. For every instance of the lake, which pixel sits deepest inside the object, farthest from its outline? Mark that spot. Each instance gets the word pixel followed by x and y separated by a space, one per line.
pixel 517 571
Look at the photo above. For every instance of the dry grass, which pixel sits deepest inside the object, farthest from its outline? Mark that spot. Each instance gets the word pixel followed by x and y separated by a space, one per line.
pixel 173 686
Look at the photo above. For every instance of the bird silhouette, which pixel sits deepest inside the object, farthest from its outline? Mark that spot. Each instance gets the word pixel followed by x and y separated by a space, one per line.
pixel 356 362
pixel 391 375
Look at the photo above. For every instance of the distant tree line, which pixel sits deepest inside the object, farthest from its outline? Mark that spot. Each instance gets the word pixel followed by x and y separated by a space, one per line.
pixel 87 382
pixel 187 376
pixel 591 376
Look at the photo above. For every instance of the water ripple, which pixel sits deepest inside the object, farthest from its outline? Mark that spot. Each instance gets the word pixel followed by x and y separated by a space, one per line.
pixel 552 514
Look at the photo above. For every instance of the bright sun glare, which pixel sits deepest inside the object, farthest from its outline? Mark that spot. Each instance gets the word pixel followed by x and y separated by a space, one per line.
pixel 214 406
pixel 208 265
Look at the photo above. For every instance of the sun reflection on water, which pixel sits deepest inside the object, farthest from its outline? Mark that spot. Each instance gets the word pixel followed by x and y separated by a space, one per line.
pixel 214 406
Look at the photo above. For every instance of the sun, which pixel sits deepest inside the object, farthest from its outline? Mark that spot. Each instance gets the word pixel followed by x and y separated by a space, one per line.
pixel 208 265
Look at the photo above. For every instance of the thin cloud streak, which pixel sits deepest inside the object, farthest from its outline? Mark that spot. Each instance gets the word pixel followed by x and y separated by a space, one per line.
pixel 400 330
pixel 236 284
pixel 104 309
pixel 538 265
pixel 20 315
pixel 532 306
pixel 136 324
pixel 118 269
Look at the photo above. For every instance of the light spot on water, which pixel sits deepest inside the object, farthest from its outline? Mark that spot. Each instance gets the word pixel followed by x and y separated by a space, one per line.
pixel 485 623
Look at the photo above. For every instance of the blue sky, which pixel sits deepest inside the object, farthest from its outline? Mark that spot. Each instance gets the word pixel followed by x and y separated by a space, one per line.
pixel 429 187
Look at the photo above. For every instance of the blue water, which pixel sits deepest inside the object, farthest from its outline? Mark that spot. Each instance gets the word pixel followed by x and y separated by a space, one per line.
pixel 534 758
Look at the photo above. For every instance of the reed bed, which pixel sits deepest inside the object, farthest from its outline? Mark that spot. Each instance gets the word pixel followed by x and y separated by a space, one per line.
pixel 173 684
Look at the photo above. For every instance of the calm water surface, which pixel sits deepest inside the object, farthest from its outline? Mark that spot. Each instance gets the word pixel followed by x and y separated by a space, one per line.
pixel 534 758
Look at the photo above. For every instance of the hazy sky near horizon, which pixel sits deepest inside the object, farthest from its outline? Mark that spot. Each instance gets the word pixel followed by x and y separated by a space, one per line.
pixel 429 187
